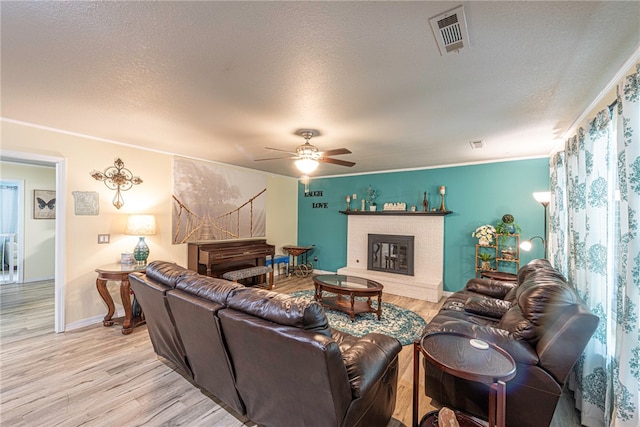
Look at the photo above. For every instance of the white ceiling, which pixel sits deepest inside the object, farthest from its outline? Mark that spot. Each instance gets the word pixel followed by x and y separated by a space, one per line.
pixel 223 80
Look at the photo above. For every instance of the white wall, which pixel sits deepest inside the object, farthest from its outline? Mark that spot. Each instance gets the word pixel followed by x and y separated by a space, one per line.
pixel 282 212
pixel 82 253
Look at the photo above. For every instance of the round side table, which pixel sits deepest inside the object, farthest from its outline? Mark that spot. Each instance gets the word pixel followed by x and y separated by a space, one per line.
pixel 118 273
pixel 470 359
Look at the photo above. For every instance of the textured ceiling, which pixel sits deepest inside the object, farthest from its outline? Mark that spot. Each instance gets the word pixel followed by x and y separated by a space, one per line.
pixel 223 80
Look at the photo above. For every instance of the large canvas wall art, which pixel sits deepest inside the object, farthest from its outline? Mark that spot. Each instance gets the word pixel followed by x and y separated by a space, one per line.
pixel 217 202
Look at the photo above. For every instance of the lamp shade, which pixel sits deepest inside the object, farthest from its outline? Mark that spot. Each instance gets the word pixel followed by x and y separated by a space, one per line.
pixel 141 225
pixel 306 166
pixel 543 197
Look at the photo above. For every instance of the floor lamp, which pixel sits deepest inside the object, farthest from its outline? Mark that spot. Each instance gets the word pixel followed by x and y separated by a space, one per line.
pixel 544 197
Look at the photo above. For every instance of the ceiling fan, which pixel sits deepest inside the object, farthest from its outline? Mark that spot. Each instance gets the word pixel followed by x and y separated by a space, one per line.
pixel 307 156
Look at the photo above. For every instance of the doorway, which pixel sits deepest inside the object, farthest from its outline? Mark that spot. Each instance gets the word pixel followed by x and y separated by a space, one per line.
pixel 60 224
pixel 11 230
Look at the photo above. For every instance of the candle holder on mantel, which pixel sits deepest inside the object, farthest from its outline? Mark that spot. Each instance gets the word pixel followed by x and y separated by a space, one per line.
pixel 348 204
pixel 442 191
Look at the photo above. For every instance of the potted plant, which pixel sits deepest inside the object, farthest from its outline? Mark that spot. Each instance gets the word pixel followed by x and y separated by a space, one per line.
pixel 372 194
pixel 485 234
pixel 507 225
pixel 485 260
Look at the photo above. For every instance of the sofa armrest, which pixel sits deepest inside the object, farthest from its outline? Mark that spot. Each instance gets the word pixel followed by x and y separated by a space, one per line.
pixel 368 359
pixel 520 350
pixel 489 287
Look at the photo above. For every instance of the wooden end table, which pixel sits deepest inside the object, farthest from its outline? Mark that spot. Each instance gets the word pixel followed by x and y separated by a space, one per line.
pixel 470 359
pixel 118 273
pixel 350 286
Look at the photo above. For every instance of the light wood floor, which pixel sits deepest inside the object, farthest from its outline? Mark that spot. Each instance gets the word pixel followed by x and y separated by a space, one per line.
pixel 96 376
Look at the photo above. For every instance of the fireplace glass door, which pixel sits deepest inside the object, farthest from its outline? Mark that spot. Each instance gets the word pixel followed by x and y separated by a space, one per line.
pixel 389 253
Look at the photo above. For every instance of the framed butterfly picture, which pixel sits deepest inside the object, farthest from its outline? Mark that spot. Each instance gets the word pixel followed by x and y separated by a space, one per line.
pixel 44 204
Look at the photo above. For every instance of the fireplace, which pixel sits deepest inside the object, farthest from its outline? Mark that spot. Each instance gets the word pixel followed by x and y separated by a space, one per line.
pixel 390 253
pixel 426 283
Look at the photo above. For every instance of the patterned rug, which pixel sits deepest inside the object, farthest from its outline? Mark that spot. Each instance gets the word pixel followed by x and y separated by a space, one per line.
pixel 403 324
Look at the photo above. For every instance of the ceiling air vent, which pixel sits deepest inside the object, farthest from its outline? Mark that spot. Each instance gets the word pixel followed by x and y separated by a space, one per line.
pixel 450 30
pixel 476 145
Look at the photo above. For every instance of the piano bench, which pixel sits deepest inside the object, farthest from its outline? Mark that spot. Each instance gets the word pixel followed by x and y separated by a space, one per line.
pixel 245 273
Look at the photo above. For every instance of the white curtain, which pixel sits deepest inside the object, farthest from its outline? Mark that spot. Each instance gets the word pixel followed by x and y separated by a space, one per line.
pixel 595 242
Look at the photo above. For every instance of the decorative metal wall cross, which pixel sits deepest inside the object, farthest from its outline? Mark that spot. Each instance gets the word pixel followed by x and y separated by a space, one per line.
pixel 118 178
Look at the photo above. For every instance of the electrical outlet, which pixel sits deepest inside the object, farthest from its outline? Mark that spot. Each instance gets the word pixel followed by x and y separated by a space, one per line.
pixel 315 259
pixel 103 239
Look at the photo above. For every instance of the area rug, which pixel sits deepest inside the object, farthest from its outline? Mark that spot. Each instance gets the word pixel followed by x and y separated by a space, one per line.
pixel 398 322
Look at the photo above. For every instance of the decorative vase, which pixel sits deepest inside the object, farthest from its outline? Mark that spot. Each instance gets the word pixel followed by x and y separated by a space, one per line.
pixel 372 208
pixel 141 252
pixel 485 265
pixel 483 242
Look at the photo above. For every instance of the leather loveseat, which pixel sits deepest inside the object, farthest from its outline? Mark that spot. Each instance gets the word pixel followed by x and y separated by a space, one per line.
pixel 269 356
pixel 539 320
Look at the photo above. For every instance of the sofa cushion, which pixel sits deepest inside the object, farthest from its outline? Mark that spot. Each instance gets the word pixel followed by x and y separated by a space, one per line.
pixel 489 287
pixel 532 266
pixel 538 302
pixel 491 307
pixel 510 297
pixel 167 272
pixel 282 309
pixel 210 288
pixel 518 327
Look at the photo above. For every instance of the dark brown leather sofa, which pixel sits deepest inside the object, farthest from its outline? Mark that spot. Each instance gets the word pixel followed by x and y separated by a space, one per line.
pixel 540 321
pixel 269 356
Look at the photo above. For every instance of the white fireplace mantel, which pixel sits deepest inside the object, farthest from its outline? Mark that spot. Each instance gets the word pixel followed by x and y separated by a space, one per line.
pixel 428 231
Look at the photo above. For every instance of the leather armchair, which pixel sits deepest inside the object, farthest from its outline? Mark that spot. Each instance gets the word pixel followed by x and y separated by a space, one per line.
pixel 540 321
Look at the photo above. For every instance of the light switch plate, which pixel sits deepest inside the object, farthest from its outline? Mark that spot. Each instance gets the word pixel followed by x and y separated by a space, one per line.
pixel 103 239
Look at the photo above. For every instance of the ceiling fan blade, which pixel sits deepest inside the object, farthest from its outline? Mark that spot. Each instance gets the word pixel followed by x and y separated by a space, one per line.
pixel 276 158
pixel 336 152
pixel 336 161
pixel 284 151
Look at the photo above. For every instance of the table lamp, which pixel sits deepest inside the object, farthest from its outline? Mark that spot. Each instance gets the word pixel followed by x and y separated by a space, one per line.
pixel 141 225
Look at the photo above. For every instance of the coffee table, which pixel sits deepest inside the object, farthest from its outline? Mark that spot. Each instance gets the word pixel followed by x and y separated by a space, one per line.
pixel 348 286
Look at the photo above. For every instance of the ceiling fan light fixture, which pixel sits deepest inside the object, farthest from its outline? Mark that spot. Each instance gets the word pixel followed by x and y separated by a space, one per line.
pixel 306 166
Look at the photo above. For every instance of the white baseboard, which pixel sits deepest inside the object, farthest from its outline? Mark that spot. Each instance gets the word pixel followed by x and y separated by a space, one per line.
pixel 90 321
pixel 39 279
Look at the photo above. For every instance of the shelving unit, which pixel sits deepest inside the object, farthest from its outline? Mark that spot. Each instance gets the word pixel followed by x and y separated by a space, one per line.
pixel 397 213
pixel 505 252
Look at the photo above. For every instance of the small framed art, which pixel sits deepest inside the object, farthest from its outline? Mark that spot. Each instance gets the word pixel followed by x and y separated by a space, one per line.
pixel 86 202
pixel 44 204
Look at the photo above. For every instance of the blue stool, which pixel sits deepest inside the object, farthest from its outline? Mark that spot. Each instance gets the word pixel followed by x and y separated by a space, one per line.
pixel 279 260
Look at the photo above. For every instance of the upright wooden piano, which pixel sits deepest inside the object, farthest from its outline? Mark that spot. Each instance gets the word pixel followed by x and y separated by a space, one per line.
pixel 216 258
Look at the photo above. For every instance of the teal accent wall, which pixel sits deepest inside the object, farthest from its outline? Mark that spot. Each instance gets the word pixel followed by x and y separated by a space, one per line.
pixel 476 194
